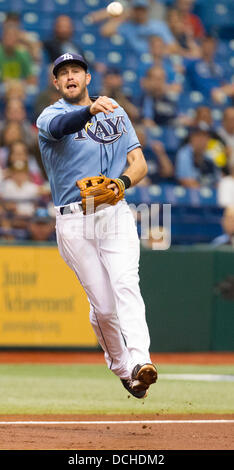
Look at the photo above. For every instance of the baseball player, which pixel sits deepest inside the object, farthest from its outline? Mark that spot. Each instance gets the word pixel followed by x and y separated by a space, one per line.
pixel 91 154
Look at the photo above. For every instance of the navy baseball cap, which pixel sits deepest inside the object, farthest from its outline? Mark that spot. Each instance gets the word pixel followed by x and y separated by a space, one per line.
pixel 68 58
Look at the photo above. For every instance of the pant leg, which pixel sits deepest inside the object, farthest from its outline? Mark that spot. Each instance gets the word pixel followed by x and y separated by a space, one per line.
pixel 120 255
pixel 82 256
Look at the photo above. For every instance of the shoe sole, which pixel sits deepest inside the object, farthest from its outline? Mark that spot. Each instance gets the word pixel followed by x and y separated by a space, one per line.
pixel 134 391
pixel 146 376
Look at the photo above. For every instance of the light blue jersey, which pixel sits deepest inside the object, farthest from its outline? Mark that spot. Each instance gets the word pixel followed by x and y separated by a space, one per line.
pixel 101 147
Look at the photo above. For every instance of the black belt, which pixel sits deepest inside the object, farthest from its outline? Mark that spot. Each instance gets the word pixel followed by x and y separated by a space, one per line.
pixel 67 209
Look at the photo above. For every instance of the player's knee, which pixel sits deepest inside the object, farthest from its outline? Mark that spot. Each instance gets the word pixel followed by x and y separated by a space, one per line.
pixel 101 314
pixel 128 283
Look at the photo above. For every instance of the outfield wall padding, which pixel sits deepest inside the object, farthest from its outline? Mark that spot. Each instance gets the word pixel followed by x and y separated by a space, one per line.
pixel 42 304
pixel 185 308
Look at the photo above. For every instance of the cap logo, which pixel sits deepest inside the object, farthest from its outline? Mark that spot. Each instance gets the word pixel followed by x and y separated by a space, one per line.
pixel 67 56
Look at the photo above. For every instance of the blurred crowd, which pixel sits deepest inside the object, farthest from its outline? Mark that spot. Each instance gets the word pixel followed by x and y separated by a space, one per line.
pixel 181 58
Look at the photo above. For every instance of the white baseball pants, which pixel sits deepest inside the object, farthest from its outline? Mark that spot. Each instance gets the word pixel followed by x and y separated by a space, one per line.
pixel 103 250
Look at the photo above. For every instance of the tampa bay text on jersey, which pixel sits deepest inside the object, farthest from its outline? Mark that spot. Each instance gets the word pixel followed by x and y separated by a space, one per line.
pixel 103 131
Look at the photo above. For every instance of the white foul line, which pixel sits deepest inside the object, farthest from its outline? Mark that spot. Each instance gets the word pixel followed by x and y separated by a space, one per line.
pixel 163 421
pixel 199 377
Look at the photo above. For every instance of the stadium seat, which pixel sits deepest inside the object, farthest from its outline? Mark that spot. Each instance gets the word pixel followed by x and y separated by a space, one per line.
pixel 10 5
pixel 133 195
pixel 39 23
pixel 33 5
pixel 171 137
pixel 217 17
pixel 190 100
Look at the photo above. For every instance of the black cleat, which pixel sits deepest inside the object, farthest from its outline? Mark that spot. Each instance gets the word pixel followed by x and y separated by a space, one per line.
pixel 136 393
pixel 143 376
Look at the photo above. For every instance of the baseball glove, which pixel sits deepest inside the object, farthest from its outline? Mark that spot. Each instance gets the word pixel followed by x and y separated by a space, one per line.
pixel 94 192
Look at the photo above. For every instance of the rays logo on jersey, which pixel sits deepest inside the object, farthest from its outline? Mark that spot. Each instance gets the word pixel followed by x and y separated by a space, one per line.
pixel 104 131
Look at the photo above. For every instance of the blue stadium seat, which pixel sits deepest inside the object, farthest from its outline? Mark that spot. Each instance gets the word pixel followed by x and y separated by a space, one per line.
pixel 10 5
pixel 133 195
pixel 92 5
pixel 195 224
pixel 190 100
pixel 208 197
pixel 170 136
pixel 131 85
pixel 156 194
pixel 69 6
pixel 32 5
pixel 217 16
pixel 188 233
pixel 39 23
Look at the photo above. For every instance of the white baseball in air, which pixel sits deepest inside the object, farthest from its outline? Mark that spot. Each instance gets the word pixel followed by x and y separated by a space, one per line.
pixel 115 8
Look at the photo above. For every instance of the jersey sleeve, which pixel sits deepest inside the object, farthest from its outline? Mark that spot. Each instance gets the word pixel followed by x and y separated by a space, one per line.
pixel 44 120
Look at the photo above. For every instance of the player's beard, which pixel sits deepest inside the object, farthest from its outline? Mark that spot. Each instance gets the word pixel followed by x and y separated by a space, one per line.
pixel 76 98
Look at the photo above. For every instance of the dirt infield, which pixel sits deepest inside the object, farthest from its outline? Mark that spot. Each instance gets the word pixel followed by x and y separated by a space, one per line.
pixel 87 433
pixel 68 357
pixel 174 435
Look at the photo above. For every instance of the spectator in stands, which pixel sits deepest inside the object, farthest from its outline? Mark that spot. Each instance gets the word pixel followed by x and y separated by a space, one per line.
pixel 192 168
pixel 14 89
pixel 14 62
pixel 203 115
pixel 225 189
pixel 19 155
pixel 15 111
pixel 136 27
pixel 156 10
pixel 159 57
pixel 192 22
pixel 205 74
pixel 184 44
pixel 6 230
pixel 158 107
pixel 226 132
pixel 11 132
pixel 160 166
pixel 62 40
pixel 17 189
pixel 227 238
pixel 224 94
pixel 41 227
pixel 26 40
pixel 113 86
pixel 216 148
pixel 226 184
pixel 48 96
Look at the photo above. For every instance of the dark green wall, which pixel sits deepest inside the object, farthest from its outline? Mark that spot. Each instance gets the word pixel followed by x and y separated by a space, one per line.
pixel 184 311
pixel 223 309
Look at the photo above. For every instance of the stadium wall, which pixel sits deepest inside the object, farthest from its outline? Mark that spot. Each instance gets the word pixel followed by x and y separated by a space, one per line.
pixel 43 306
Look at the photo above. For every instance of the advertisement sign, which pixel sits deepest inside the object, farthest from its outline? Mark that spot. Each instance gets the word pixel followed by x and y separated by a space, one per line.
pixel 42 302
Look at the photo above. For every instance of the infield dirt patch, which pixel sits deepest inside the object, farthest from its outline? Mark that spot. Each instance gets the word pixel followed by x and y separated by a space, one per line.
pixel 80 357
pixel 177 436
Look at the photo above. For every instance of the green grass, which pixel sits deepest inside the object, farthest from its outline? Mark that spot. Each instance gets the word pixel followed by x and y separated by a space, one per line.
pixel 86 389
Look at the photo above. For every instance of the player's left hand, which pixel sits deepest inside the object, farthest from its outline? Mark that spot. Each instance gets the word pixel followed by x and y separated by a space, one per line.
pixel 114 187
pixel 97 190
